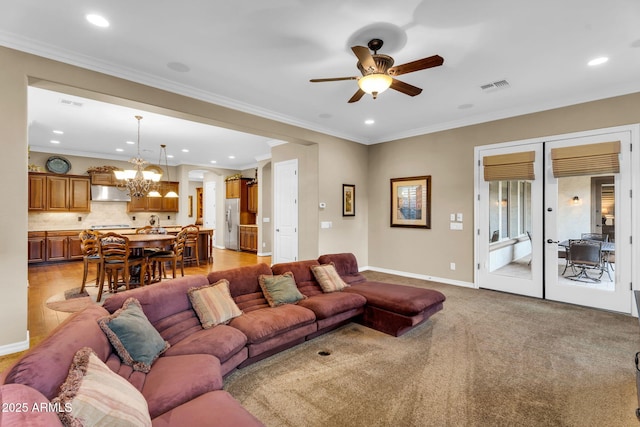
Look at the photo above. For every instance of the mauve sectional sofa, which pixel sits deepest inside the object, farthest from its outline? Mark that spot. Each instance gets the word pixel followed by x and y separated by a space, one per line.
pixel 184 385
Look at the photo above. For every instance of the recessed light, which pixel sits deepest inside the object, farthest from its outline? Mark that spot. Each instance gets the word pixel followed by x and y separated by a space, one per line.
pixel 185 150
pixel 55 141
pixel 232 157
pixel 58 132
pixel 97 20
pixel 369 122
pixel 131 142
pixel 597 61
pixel 120 149
pixel 214 161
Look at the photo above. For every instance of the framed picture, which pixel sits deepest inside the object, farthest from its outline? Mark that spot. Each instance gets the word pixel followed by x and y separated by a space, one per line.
pixel 411 202
pixel 348 200
pixel 190 206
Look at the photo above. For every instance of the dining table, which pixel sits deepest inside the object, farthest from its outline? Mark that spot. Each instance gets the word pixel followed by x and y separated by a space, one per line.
pixel 139 242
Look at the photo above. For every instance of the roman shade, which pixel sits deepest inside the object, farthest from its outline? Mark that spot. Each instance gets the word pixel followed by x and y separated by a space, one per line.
pixel 509 167
pixel 589 159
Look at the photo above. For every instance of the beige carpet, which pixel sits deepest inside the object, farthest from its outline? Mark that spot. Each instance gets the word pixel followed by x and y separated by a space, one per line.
pixel 487 359
pixel 71 301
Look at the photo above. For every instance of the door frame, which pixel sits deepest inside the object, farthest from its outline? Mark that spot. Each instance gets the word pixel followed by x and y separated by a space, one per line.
pixel 633 222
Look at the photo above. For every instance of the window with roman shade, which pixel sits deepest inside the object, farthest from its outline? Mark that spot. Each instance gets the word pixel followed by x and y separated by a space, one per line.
pixel 589 159
pixel 509 167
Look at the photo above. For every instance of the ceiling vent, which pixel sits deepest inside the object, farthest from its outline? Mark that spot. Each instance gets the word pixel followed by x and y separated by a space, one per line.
pixel 492 87
pixel 70 103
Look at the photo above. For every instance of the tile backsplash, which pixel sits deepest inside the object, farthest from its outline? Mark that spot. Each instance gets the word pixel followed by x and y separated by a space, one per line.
pixel 102 213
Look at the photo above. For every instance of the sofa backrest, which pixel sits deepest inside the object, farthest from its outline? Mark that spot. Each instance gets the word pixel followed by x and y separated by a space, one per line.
pixel 305 280
pixel 346 266
pixel 45 366
pixel 244 286
pixel 166 305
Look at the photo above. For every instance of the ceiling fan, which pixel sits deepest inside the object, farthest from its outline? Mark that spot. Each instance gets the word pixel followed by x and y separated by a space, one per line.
pixel 378 71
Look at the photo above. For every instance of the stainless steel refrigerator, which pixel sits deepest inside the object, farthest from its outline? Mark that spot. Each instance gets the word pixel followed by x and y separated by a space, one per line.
pixel 232 220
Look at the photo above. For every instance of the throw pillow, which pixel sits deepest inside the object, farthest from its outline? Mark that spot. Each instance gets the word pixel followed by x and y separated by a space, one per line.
pixel 134 338
pixel 280 289
pixel 213 303
pixel 328 277
pixel 94 395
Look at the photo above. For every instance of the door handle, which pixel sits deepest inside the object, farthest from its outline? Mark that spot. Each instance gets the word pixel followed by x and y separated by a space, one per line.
pixel 552 241
pixel 277 230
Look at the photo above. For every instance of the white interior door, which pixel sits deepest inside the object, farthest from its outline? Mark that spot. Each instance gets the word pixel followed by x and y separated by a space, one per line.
pixel 568 213
pixel 285 211
pixel 210 206
pixel 509 227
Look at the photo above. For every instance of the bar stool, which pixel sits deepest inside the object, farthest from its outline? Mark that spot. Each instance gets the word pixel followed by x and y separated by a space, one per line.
pixel 173 256
pixel 191 244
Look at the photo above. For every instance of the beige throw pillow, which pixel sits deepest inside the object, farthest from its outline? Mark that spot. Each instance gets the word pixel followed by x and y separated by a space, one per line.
pixel 94 395
pixel 213 304
pixel 328 278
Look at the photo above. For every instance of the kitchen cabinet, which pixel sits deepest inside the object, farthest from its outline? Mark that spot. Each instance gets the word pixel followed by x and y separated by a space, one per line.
pixel 253 198
pixel 157 204
pixel 249 238
pixel 234 188
pixel 37 246
pixel 103 178
pixel 59 193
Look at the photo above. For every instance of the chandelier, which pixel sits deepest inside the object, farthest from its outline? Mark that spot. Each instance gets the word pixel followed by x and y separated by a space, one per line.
pixel 138 182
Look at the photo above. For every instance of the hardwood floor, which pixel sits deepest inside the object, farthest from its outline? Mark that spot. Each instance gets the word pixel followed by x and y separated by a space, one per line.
pixel 48 280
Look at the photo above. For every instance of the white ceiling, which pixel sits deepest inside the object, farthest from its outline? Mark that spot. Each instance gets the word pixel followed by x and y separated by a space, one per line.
pixel 258 56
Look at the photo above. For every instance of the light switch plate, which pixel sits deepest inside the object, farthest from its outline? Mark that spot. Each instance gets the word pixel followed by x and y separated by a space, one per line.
pixel 459 217
pixel 452 217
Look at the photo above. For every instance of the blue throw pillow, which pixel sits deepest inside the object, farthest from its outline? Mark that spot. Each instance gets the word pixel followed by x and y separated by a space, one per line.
pixel 134 338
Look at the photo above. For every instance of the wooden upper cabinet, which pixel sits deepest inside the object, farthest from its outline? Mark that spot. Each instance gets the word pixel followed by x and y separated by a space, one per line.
pixel 233 188
pixel 157 204
pixel 103 178
pixel 58 193
pixel 37 192
pixel 253 198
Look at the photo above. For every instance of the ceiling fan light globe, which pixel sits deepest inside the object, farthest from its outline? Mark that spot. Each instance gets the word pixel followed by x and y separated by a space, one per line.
pixel 375 83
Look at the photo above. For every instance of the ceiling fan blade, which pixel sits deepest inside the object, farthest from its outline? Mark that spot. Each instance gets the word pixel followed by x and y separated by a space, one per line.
pixel 356 96
pixel 333 79
pixel 420 64
pixel 405 88
pixel 365 58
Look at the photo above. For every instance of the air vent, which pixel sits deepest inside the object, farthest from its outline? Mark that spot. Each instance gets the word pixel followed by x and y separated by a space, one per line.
pixel 498 85
pixel 71 103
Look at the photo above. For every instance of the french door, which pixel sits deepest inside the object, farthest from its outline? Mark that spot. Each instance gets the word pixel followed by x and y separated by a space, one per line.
pixel 509 229
pixel 580 184
pixel 574 205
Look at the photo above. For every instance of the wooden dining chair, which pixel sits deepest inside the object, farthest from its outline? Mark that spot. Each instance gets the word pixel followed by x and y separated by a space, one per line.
pixel 160 258
pixel 89 244
pixel 191 244
pixel 116 260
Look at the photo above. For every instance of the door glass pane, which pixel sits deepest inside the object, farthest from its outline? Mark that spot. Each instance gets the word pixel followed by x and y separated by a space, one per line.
pixel 509 228
pixel 586 211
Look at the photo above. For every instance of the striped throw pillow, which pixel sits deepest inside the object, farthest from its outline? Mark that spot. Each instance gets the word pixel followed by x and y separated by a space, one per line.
pixel 328 277
pixel 94 395
pixel 213 303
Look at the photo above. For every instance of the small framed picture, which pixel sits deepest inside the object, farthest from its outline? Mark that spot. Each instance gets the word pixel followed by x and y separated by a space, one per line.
pixel 411 202
pixel 348 200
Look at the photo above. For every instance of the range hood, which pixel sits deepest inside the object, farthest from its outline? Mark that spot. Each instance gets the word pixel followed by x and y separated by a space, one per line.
pixel 107 193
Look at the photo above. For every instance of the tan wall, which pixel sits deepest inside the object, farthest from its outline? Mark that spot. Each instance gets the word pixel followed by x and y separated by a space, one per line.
pixel 448 157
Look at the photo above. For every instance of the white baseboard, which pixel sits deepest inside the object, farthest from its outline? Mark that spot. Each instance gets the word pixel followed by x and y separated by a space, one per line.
pixel 15 347
pixel 420 276
pixel 264 253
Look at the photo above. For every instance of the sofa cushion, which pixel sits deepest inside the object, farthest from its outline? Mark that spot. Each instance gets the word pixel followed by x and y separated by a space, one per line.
pixel 175 380
pixel 305 281
pixel 280 289
pixel 94 395
pixel 346 266
pixel 405 300
pixel 55 353
pixel 18 403
pixel 328 277
pixel 266 323
pixel 244 286
pixel 134 338
pixel 333 303
pixel 221 341
pixel 213 409
pixel 213 303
